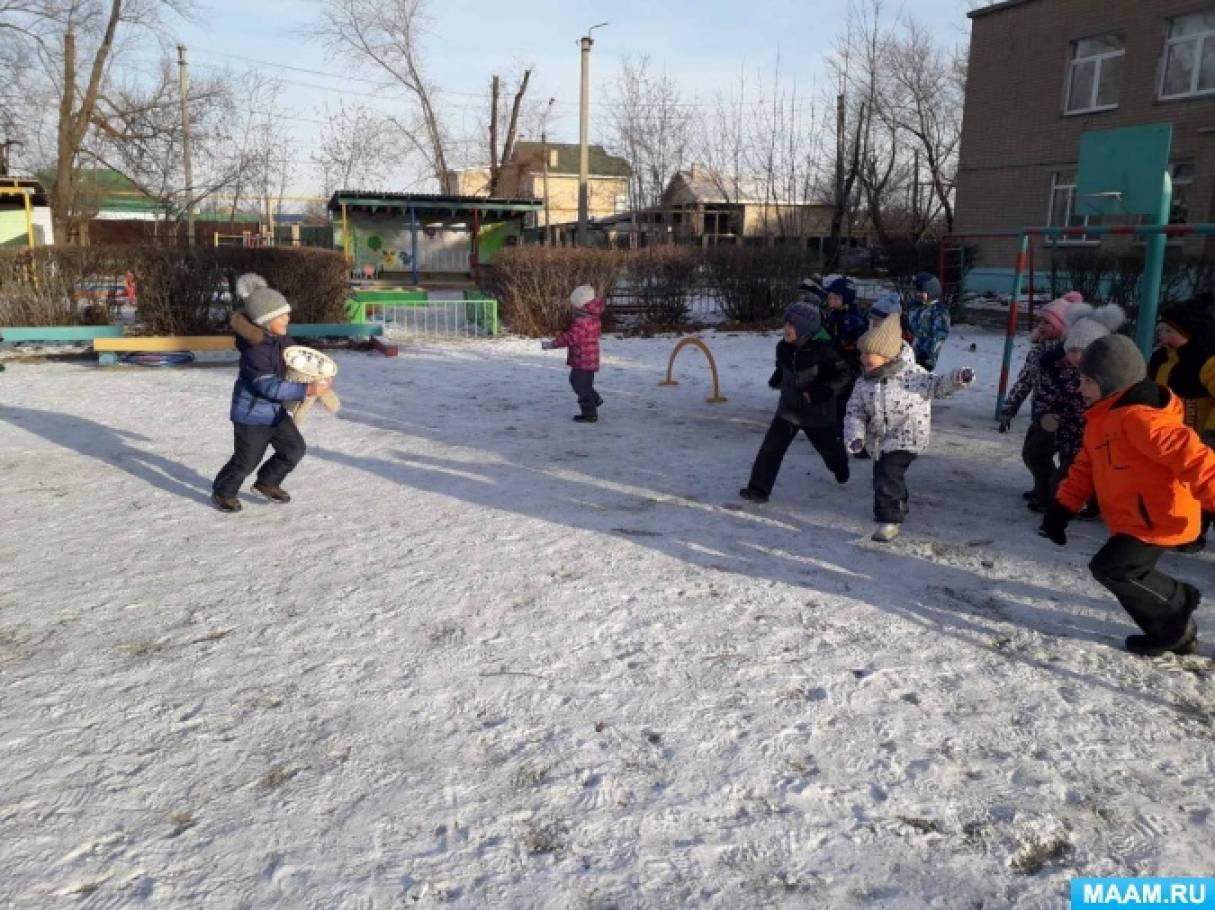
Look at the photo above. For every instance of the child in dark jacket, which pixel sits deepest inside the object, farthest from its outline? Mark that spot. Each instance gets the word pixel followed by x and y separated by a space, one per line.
pixel 1185 364
pixel 582 340
pixel 1053 387
pixel 1153 477
pixel 928 319
pixel 810 374
pixel 258 417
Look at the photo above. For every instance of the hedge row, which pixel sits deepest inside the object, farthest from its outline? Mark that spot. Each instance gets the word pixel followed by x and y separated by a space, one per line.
pixel 180 291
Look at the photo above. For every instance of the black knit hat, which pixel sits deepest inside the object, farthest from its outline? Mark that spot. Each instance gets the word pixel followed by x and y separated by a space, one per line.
pixel 1193 318
pixel 1113 363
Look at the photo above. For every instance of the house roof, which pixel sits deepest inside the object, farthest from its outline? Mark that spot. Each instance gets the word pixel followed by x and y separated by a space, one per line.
pixel 994 8
pixel 600 163
pixel 430 202
pixel 703 186
pixel 14 188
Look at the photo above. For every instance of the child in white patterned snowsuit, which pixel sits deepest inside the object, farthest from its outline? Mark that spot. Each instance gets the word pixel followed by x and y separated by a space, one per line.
pixel 890 416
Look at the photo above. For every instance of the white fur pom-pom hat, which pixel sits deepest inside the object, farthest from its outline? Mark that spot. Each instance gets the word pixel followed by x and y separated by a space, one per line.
pixel 1087 323
pixel 581 296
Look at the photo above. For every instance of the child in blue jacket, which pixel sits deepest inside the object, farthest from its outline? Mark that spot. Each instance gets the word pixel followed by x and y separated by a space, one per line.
pixel 259 419
pixel 928 320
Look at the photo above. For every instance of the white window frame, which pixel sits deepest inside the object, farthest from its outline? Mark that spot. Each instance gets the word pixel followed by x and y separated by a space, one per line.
pixel 1199 39
pixel 1099 61
pixel 1057 186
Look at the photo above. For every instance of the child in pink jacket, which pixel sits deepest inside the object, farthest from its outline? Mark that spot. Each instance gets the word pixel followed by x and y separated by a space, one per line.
pixel 582 340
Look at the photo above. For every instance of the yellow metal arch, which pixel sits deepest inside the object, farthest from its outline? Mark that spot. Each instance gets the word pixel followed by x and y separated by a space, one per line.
pixel 693 341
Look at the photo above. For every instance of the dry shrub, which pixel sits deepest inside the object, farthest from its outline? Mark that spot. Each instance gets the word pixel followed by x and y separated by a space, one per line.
pixel 532 284
pixel 756 284
pixel 662 280
pixel 181 291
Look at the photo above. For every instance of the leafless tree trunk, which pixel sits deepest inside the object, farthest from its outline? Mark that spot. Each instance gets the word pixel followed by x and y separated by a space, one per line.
pixel 384 34
pixel 498 160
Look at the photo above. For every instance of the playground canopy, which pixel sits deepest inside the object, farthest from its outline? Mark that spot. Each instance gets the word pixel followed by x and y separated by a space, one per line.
pixel 423 232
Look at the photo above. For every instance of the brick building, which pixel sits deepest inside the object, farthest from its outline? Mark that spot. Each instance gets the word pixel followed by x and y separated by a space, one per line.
pixel 1042 72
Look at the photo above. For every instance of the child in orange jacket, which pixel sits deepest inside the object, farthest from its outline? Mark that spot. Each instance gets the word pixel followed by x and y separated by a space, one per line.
pixel 1153 477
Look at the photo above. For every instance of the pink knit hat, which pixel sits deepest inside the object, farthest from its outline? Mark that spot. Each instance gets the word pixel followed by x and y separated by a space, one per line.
pixel 1056 311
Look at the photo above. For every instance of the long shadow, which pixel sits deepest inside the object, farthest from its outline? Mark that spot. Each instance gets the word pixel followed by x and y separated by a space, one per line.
pixel 760 546
pixel 112 447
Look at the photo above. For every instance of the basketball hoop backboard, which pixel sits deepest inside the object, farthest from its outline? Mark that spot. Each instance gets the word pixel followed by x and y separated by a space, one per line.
pixel 1121 172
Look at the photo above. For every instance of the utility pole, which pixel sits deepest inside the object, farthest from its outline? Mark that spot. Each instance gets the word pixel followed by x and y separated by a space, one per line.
pixel 185 140
pixel 586 42
pixel 548 233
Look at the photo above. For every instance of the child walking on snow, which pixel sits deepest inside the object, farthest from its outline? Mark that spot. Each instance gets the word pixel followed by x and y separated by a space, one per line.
pixel 890 416
pixel 1038 383
pixel 258 417
pixel 928 319
pixel 582 339
pixel 1153 477
pixel 811 374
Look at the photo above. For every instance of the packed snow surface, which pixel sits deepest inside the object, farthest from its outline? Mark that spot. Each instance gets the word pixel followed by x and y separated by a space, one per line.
pixel 492 657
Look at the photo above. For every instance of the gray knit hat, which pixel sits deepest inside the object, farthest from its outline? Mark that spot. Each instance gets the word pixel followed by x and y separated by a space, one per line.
pixel 1113 363
pixel 265 304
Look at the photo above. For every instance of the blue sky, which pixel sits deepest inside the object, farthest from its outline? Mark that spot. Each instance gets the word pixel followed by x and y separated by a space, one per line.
pixel 704 45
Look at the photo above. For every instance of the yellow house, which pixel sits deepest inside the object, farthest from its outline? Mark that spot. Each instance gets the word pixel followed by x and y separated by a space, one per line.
pixel 523 176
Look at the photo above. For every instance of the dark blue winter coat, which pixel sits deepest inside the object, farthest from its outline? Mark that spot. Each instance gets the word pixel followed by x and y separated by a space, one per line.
pixel 261 385
pixel 845 326
pixel 929 323
pixel 811 376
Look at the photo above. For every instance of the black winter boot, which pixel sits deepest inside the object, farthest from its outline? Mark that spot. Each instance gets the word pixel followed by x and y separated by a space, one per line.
pixel 753 495
pixel 1150 646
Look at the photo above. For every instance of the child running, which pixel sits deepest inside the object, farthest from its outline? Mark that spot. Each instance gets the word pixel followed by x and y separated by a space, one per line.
pixel 890 416
pixel 928 319
pixel 1152 477
pixel 259 419
pixel 811 374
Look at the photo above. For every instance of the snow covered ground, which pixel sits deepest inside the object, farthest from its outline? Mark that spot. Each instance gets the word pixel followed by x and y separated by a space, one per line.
pixel 494 658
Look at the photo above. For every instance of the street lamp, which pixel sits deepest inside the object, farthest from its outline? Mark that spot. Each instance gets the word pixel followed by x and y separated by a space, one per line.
pixel 586 43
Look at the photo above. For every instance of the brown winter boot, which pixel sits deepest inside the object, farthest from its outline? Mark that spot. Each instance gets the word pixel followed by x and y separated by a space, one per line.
pixel 274 494
pixel 225 503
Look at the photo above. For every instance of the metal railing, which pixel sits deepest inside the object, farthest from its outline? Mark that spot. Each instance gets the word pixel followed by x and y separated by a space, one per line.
pixel 475 318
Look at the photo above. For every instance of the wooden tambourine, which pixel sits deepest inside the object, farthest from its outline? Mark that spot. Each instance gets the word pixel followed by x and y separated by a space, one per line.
pixel 310 365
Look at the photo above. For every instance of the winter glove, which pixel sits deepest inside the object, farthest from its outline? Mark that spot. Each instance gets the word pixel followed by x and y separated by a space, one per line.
pixel 546 345
pixel 819 393
pixel 966 376
pixel 774 379
pixel 856 446
pixel 1005 423
pixel 1054 523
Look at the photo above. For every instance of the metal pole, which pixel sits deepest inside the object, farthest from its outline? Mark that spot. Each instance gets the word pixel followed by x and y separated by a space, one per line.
pixel 413 241
pixel 29 218
pixel 185 140
pixel 1153 267
pixel 1022 256
pixel 548 236
pixel 583 154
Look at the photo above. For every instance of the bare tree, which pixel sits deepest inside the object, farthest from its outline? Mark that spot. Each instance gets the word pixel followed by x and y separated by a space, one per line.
pixel 652 129
pixel 385 35
pixel 497 160
pixel 79 44
pixel 357 146
pixel 928 91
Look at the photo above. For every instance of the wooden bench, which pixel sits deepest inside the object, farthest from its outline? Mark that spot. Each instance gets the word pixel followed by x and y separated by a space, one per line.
pixel 109 348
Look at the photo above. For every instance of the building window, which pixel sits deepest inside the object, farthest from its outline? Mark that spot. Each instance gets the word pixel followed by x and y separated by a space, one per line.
pixel 1063 205
pixel 1095 74
pixel 1183 181
pixel 1189 57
